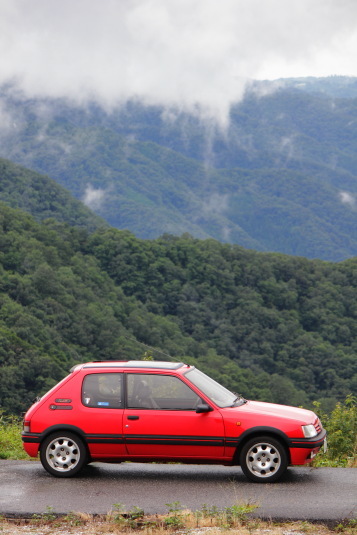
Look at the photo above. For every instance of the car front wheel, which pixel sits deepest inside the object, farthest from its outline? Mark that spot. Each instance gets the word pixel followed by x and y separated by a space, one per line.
pixel 263 459
pixel 63 454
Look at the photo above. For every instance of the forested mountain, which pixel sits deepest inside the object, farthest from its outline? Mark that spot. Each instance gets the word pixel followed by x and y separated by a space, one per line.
pixel 281 176
pixel 42 197
pixel 269 326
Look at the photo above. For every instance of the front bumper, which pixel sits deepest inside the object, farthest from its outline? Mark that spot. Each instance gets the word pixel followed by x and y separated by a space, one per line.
pixel 303 450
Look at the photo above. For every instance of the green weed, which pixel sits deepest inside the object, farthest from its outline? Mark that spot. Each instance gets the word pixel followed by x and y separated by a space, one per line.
pixel 10 438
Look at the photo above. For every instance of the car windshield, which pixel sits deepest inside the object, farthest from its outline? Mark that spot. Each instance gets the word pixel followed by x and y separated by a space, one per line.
pixel 213 390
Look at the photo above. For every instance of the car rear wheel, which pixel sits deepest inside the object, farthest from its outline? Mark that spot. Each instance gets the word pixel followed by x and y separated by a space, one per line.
pixel 263 459
pixel 63 454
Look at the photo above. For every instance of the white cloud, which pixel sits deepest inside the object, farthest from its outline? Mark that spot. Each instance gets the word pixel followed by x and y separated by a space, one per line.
pixel 192 54
pixel 94 197
pixel 347 198
pixel 287 146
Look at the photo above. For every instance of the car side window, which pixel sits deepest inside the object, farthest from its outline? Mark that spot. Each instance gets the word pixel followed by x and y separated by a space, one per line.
pixel 103 390
pixel 151 391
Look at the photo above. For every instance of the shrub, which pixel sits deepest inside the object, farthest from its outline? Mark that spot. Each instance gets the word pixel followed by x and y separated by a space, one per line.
pixel 10 438
pixel 341 427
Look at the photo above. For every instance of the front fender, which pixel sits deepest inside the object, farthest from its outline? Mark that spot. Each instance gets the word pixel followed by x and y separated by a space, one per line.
pixel 259 431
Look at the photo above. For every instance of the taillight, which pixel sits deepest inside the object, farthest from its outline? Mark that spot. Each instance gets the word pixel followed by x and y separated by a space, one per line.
pixel 26 426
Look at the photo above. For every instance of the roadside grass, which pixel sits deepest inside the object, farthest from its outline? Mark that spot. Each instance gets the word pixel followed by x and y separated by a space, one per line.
pixel 235 520
pixel 10 438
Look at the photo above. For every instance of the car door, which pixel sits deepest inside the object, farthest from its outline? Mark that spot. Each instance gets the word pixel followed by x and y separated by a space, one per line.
pixel 101 415
pixel 161 421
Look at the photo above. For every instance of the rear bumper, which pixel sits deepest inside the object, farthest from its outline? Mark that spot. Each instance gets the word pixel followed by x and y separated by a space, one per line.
pixel 31 443
pixel 31 449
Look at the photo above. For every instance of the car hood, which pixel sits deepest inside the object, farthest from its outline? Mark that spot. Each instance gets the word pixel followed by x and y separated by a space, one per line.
pixel 281 411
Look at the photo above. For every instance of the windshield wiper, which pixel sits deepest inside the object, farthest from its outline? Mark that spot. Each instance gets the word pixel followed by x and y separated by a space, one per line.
pixel 239 398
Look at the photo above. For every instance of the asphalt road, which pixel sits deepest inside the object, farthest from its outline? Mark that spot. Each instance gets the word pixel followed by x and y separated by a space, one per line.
pixel 318 495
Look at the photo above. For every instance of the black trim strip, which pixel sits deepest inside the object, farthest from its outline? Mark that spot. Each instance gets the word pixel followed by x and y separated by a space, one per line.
pixel 35 439
pixel 232 442
pixel 175 441
pixel 179 440
pixel 308 443
pixel 101 435
pixel 105 441
pixel 175 437
pixel 54 407
pixel 169 440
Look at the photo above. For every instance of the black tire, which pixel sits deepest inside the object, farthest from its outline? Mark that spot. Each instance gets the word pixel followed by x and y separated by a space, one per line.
pixel 263 459
pixel 63 454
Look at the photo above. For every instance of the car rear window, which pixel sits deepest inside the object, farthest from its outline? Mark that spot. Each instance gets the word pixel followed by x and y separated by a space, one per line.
pixel 103 390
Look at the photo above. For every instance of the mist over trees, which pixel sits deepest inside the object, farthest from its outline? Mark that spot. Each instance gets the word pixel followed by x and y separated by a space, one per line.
pixel 281 176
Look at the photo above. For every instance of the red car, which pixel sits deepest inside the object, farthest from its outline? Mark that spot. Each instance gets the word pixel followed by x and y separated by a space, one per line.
pixel 162 411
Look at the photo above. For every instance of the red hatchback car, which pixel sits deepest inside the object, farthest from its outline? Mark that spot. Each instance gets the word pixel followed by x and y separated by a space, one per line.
pixel 162 411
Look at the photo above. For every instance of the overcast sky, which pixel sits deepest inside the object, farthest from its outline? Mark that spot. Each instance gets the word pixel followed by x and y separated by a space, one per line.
pixel 176 52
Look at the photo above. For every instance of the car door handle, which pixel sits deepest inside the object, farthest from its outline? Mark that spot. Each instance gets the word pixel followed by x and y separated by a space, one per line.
pixel 132 417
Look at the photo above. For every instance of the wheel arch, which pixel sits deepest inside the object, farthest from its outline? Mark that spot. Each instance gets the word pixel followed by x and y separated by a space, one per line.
pixel 258 432
pixel 58 428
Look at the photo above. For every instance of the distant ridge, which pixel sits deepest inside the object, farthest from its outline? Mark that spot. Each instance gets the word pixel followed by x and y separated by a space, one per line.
pixel 282 177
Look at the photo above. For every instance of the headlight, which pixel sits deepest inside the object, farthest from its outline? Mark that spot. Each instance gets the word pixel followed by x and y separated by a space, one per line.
pixel 309 431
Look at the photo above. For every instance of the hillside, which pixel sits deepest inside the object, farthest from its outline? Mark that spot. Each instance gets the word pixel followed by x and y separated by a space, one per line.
pixel 281 177
pixel 42 197
pixel 269 326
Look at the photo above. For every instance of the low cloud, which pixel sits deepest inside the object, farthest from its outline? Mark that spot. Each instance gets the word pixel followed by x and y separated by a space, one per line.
pixel 287 146
pixel 94 198
pixel 216 204
pixel 347 198
pixel 195 55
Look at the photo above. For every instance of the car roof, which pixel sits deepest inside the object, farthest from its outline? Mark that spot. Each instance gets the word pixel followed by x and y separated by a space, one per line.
pixel 143 364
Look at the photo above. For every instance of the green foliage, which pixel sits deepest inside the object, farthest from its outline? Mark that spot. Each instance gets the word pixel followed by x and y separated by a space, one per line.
pixel 42 197
pixel 10 439
pixel 176 517
pixel 268 326
pixel 269 313
pixel 341 426
pixel 348 526
pixel 280 177
pixel 127 519
pixel 237 514
pixel 229 517
pixel 46 517
pixel 118 513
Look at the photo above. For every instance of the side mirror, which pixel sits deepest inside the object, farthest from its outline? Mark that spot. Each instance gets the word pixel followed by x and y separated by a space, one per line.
pixel 203 407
